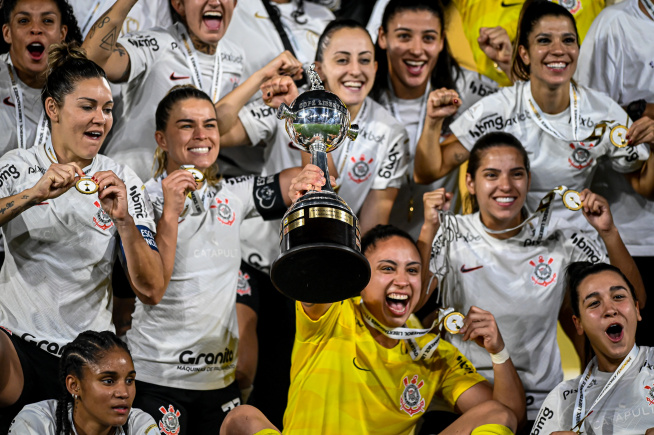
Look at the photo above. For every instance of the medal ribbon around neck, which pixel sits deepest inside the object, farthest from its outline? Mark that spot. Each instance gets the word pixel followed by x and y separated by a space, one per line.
pixel 50 152
pixel 192 61
pixel 544 124
pixel 650 7
pixel 42 131
pixel 392 107
pixel 408 334
pixel 586 381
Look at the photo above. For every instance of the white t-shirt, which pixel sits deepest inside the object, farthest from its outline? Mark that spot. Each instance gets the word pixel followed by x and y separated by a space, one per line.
pixel 471 87
pixel 501 275
pixel 628 408
pixel 190 339
pixel 41 419
pixel 144 15
pixel 157 64
pixel 376 160
pixel 554 162
pixel 59 254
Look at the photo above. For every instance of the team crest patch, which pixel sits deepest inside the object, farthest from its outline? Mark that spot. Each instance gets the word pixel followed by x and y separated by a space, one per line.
pixel 580 157
pixel 169 423
pixel 649 394
pixel 243 284
pixel 225 213
pixel 102 219
pixel 543 274
pixel 573 6
pixel 411 401
pixel 360 171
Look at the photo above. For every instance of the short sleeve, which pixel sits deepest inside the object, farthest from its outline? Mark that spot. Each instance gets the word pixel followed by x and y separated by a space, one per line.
pixel 141 423
pixel 143 48
pixel 484 116
pixel 138 200
pixel 394 163
pixel 243 188
pixel 629 158
pixel 551 417
pixel 259 122
pixel 584 246
pixel 458 373
pixel 308 330
pixel 32 420
pixel 12 170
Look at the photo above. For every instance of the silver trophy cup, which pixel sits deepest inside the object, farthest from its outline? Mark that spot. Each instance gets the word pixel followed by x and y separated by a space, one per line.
pixel 320 258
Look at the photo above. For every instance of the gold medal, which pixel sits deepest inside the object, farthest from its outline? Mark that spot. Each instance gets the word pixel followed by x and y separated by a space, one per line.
pixel 197 174
pixel 618 136
pixel 453 322
pixel 86 185
pixel 572 200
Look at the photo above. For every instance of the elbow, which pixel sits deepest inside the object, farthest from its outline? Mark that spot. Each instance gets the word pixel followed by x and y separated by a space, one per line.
pixel 152 293
pixel 420 177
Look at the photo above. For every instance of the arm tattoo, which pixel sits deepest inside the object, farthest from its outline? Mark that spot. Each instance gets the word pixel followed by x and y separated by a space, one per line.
pixel 109 41
pixel 7 207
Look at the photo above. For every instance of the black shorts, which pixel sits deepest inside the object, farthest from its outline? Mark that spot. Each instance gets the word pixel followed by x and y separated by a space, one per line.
pixel 41 378
pixel 191 411
pixel 249 284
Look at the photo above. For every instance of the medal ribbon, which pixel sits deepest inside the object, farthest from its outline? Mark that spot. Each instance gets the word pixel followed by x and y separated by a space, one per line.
pixel 544 124
pixel 586 380
pixel 408 334
pixel 193 64
pixel 42 131
pixel 392 107
pixel 650 7
pixel 50 152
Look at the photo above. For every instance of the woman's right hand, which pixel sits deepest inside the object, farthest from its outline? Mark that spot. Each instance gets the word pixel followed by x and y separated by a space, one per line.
pixel 57 180
pixel 175 187
pixel 441 104
pixel 434 201
pixel 278 90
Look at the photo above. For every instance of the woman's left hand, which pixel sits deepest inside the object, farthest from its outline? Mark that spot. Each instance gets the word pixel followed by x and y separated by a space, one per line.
pixel 112 194
pixel 480 326
pixel 641 131
pixel 311 178
pixel 597 211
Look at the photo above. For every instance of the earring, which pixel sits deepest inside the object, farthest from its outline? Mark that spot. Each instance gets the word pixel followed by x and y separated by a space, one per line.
pixel 75 396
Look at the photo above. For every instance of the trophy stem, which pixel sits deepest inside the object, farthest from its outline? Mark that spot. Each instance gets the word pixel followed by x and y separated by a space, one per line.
pixel 319 158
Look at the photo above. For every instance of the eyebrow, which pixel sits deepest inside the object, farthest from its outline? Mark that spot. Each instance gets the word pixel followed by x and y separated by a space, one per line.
pixel 42 13
pixel 406 29
pixel 517 168
pixel 192 120
pixel 92 100
pixel 109 372
pixel 613 288
pixel 550 34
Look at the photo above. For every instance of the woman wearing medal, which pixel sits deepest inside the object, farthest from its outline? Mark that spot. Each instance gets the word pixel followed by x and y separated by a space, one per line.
pixel 64 210
pixel 508 264
pixel 566 129
pixel 615 394
pixel 414 59
pixel 186 348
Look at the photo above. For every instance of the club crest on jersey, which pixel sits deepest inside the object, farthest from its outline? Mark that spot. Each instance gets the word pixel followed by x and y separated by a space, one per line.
pixel 649 394
pixel 543 274
pixel 580 157
pixel 360 171
pixel 573 6
pixel 225 213
pixel 243 284
pixel 169 423
pixel 411 401
pixel 102 219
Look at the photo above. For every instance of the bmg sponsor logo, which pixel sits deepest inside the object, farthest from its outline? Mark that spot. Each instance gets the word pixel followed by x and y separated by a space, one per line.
pixel 7 172
pixel 137 198
pixel 545 415
pixel 495 121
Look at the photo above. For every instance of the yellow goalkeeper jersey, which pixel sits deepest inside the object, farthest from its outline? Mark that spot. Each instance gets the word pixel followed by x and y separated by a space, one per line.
pixel 343 381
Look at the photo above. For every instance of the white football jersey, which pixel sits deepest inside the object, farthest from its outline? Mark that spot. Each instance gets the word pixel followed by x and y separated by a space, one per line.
pixel 41 419
pixel 190 339
pixel 144 15
pixel 56 278
pixel 555 162
pixel 157 64
pixel 500 275
pixel 628 408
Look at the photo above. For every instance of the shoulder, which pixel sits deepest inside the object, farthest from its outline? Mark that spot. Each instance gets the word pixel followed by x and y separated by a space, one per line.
pixel 141 423
pixel 36 418
pixel 614 16
pixel 380 119
pixel 154 188
pixel 470 83
pixel 318 12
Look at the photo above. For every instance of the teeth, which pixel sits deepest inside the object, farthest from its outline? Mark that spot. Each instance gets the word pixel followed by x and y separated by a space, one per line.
pixel 202 150
pixel 213 14
pixel 94 133
pixel 353 84
pixel 414 62
pixel 557 65
pixel 505 200
pixel 398 297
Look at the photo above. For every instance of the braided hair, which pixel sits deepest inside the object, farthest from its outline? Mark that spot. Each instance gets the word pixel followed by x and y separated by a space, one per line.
pixel 88 348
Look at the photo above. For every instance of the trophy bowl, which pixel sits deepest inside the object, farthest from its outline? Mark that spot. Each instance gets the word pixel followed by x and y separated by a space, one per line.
pixel 321 259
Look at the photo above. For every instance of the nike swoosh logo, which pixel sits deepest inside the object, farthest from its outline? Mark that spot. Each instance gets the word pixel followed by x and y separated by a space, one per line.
pixel 8 103
pixel 174 77
pixel 464 270
pixel 505 5
pixel 354 361
pixel 257 15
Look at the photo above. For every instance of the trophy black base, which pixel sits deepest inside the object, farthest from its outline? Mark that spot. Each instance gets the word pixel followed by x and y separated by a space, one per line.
pixel 320 273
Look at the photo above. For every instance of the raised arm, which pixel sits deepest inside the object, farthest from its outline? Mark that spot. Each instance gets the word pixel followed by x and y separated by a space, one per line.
pixel 496 44
pixel 101 43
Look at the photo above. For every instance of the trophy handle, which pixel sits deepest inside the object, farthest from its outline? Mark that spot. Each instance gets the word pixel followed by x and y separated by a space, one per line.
pixel 319 158
pixel 353 132
pixel 284 112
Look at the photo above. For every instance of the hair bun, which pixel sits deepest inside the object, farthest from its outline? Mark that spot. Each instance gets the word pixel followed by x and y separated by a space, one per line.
pixel 60 54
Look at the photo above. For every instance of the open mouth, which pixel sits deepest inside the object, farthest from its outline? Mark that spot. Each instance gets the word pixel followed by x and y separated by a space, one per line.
pixel 505 201
pixel 213 20
pixel 353 85
pixel 615 332
pixel 557 66
pixel 93 134
pixel 36 50
pixel 397 303
pixel 123 410
pixel 415 67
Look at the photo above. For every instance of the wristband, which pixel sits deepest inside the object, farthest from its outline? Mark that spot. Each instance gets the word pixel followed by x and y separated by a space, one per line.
pixel 268 197
pixel 500 357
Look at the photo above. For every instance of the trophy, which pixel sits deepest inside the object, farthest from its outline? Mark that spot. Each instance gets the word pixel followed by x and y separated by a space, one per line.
pixel 321 259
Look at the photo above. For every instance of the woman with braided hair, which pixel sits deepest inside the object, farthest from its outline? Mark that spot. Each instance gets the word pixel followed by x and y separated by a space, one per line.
pixel 98 378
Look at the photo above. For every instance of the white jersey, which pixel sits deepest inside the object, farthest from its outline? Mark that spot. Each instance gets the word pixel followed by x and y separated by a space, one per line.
pixel 375 20
pixel 628 408
pixel 41 419
pixel 471 87
pixel 56 278
pixel 376 160
pixel 190 339
pixel 157 63
pixel 514 273
pixel 144 15
pixel 555 162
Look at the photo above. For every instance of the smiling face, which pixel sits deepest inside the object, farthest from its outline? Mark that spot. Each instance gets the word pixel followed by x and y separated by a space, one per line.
pixel 500 185
pixel 553 51
pixel 106 391
pixel 608 315
pixel 413 42
pixel 348 66
pixel 191 136
pixel 206 19
pixel 32 27
pixel 394 287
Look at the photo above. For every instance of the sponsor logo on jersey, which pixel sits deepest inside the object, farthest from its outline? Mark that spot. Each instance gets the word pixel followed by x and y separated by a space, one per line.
pixel 587 247
pixel 508 5
pixel 369 135
pixel 580 157
pixel 568 393
pixel 262 112
pixel 481 89
pixel 169 423
pixel 173 77
pixel 35 169
pixel 7 172
pixel 139 204
pixel 543 274
pixel 393 158
pixel 545 415
pixel 495 121
pixel 230 57
pixel 411 400
pixel 649 394
pixel 52 348
pixel 102 219
pixel 360 170
pixel 144 41
pixel 225 213
pixel 206 362
pixel 243 284
pixel 464 270
pixel 573 6
pixel 8 102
